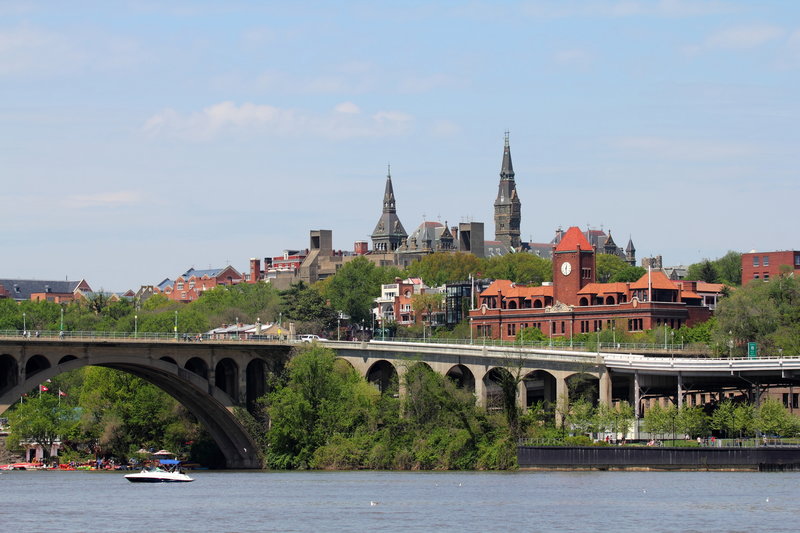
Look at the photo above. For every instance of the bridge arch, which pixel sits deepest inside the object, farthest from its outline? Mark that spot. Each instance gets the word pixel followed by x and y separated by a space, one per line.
pixel 462 377
pixel 583 386
pixel 225 377
pixel 212 406
pixel 36 364
pixel 492 386
pixel 540 386
pixel 384 376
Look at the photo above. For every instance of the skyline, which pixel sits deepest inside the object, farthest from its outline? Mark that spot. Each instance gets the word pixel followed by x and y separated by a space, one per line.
pixel 142 140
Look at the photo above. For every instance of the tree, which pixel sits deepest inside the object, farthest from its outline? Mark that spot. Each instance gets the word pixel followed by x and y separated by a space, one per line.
pixel 749 314
pixel 42 419
pixel 729 269
pixel 354 288
pixel 424 304
pixel 305 305
pixel 628 274
pixel 772 418
pixel 523 268
pixel 318 400
pixel 692 421
pixel 444 267
pixel 703 271
pixel 607 265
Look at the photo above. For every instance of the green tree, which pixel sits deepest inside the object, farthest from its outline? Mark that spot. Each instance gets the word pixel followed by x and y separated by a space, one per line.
pixel 306 306
pixel 444 267
pixel 772 418
pixel 42 419
pixel 628 274
pixel 318 400
pixel 692 421
pixel 355 286
pixel 607 265
pixel 729 269
pixel 523 268
pixel 703 271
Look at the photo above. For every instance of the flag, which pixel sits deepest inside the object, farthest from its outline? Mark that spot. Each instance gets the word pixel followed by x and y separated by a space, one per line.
pixel 42 388
pixel 61 392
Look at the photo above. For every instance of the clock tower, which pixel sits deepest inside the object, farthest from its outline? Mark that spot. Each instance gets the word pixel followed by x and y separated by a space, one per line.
pixel 573 266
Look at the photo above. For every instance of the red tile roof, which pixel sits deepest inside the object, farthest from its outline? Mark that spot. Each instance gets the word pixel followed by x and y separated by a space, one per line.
pixel 658 280
pixel 604 288
pixel 573 239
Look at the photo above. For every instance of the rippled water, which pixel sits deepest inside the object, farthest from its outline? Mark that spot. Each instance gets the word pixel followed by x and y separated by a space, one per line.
pixel 404 501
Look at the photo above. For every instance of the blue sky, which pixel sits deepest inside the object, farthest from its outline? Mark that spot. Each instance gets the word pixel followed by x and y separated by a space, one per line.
pixel 143 138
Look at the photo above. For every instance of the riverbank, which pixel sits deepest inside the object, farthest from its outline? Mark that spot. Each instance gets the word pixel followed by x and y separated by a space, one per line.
pixel 763 458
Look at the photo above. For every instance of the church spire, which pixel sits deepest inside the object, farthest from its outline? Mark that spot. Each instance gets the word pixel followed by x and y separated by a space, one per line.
pixel 507 169
pixel 389 233
pixel 507 206
pixel 388 195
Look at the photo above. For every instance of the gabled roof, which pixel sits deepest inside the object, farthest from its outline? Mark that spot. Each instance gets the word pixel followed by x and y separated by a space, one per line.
pixel 21 289
pixel 702 286
pixel 500 285
pixel 509 289
pixel 658 280
pixel 573 240
pixel 605 288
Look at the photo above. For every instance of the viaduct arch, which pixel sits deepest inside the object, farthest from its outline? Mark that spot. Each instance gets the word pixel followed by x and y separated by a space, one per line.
pixel 209 380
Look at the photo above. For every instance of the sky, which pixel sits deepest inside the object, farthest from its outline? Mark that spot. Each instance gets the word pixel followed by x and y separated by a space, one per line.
pixel 141 138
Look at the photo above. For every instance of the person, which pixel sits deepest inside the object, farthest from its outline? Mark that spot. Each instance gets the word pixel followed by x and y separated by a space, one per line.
pixel 61 334
pixel 36 334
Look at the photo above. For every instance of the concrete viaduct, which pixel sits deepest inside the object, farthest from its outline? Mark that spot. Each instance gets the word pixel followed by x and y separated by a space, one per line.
pixel 212 378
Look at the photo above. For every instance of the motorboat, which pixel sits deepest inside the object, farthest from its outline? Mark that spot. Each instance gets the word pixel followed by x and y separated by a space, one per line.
pixel 167 471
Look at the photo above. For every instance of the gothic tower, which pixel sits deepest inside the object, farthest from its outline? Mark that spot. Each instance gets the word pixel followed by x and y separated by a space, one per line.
pixel 389 233
pixel 507 207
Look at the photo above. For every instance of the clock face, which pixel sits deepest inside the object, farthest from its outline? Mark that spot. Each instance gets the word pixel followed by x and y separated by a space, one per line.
pixel 566 268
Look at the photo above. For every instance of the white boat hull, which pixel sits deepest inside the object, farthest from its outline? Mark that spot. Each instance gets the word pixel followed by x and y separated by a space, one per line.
pixel 158 477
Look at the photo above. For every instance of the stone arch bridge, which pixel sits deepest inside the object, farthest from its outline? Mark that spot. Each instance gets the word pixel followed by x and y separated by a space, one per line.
pixel 212 378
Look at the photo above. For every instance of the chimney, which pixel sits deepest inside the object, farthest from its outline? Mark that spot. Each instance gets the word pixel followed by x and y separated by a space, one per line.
pixel 255 270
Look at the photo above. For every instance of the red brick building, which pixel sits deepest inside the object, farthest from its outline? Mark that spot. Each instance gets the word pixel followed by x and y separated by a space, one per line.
pixel 192 283
pixel 576 303
pixel 767 265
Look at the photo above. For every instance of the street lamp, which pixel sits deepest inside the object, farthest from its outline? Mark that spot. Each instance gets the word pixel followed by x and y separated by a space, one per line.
pixel 24 324
pixel 176 325
pixel 62 319
pixel 135 326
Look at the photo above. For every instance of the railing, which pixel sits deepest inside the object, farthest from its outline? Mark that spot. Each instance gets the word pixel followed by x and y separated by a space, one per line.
pixel 656 350
pixel 749 442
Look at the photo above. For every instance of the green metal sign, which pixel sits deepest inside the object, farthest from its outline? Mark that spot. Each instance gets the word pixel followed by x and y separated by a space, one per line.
pixel 752 350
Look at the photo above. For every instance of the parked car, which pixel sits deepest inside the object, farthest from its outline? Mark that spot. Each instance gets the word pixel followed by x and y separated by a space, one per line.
pixel 311 338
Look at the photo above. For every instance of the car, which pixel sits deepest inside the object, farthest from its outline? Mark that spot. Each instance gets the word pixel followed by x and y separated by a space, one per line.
pixel 311 338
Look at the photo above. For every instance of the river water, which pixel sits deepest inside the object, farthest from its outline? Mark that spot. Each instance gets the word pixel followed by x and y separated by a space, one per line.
pixel 402 501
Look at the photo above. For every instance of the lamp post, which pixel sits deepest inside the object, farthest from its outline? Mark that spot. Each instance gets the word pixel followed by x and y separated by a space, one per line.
pixel 62 320
pixel 24 323
pixel 339 326
pixel 135 326
pixel 176 325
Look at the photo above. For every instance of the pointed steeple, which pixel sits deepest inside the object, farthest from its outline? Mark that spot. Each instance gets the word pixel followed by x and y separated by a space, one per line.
pixel 388 195
pixel 630 253
pixel 507 169
pixel 389 233
pixel 507 206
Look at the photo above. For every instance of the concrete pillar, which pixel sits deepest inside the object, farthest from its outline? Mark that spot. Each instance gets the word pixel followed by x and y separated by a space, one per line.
pixel 637 399
pixel 562 399
pixel 480 390
pixel 522 395
pixel 605 388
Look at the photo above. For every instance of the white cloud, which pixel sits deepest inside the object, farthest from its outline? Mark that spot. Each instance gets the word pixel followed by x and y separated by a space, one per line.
pixel 343 121
pixel 347 107
pixel 104 199
pixel 744 36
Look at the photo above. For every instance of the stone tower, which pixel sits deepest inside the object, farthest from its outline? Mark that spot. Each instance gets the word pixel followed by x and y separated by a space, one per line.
pixel 389 233
pixel 630 253
pixel 507 207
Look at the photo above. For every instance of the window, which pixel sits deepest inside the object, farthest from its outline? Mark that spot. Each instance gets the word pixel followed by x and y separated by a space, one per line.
pixel 766 277
pixel 755 276
pixel 180 286
pixel 766 261
pixel 512 330
pixel 586 273
pixel 755 261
